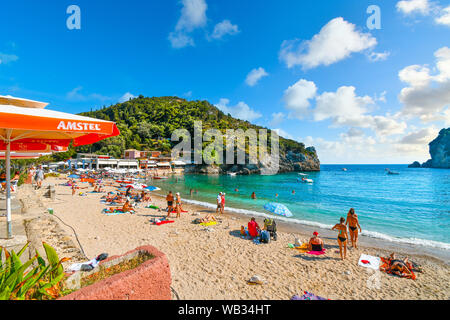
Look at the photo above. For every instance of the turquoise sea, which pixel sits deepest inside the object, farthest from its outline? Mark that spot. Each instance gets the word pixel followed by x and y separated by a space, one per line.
pixel 412 207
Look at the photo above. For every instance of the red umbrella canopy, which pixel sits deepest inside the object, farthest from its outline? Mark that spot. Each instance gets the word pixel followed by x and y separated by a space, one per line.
pixel 34 129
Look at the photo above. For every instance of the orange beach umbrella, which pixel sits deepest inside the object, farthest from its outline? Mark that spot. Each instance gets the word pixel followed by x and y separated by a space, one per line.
pixel 25 126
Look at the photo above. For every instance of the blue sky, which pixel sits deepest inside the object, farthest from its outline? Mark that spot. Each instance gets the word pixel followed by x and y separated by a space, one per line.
pixel 320 75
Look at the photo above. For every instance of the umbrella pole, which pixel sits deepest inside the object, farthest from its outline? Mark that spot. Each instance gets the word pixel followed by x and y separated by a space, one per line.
pixel 8 187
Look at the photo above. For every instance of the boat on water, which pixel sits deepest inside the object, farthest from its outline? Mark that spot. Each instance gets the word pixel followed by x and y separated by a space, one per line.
pixel 344 169
pixel 391 172
pixel 160 178
pixel 232 174
pixel 304 180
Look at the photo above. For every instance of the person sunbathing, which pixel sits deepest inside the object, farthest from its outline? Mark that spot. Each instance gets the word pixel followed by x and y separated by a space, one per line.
pixel 209 218
pixel 127 207
pixel 96 189
pixel 399 265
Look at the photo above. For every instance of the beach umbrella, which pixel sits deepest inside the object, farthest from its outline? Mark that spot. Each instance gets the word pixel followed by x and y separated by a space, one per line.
pixel 25 126
pixel 74 176
pixel 278 208
pixel 152 188
pixel 137 186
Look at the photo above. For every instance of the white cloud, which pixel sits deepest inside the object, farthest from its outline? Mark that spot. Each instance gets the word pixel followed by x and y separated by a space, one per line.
pixel 387 126
pixel 444 17
pixel 76 95
pixel 427 96
pixel 297 97
pixel 421 137
pixel 337 40
pixel 414 6
pixel 378 56
pixel 241 110
pixel 180 40
pixel 127 96
pixel 344 107
pixel 193 16
pixel 224 28
pixel 283 134
pixel 7 58
pixel 277 118
pixel 255 75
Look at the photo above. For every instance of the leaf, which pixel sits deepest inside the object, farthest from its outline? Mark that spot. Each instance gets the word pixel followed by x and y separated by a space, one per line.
pixel 52 256
pixel 23 249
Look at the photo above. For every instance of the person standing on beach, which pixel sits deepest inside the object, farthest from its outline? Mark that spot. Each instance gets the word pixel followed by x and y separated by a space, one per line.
pixel 39 177
pixel 169 199
pixel 30 176
pixel 342 237
pixel 353 225
pixel 178 204
pixel 219 202
pixel 222 203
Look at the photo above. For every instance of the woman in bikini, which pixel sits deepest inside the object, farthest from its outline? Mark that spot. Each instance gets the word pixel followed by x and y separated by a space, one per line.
pixel 353 225
pixel 342 237
pixel 178 204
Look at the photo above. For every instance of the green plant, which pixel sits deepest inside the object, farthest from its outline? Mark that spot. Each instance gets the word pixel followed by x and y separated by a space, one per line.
pixel 23 281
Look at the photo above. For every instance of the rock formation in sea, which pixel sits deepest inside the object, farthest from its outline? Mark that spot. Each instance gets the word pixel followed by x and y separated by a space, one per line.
pixel 439 151
pixel 288 162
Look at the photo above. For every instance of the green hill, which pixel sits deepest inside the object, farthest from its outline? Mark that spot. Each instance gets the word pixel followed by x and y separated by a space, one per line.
pixel 148 123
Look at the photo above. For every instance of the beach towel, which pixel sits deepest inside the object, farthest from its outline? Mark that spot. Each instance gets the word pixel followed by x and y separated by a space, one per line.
pixel 317 253
pixel 163 222
pixel 368 261
pixel 208 224
pixel 307 296
pixel 115 212
pixel 302 248
pixel 152 207
pixel 182 211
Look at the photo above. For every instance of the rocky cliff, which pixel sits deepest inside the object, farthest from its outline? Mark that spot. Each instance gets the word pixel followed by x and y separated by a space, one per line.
pixel 288 162
pixel 439 151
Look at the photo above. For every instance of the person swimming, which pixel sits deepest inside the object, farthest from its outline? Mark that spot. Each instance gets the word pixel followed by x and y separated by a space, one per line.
pixel 342 237
pixel 253 195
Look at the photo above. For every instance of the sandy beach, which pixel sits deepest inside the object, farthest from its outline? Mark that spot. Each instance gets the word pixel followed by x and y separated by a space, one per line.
pixel 215 263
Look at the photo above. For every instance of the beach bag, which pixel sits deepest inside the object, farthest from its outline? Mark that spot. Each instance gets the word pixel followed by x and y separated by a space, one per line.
pixel 265 236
